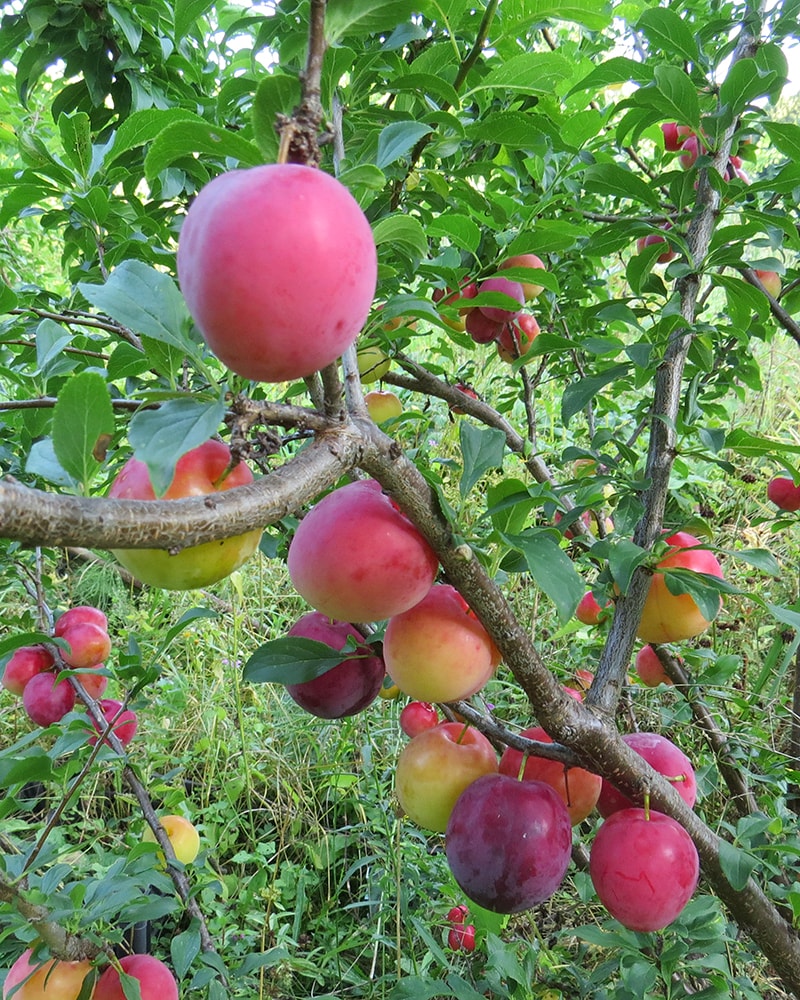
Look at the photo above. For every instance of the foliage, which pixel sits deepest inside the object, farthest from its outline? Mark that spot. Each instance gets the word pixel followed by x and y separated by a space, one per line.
pixel 468 133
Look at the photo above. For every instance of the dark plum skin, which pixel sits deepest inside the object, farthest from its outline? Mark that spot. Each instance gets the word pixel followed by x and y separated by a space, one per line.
pixel 348 687
pixel 508 842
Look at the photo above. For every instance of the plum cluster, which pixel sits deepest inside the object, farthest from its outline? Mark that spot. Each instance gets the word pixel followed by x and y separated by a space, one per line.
pixel 508 824
pixel 32 672
pixel 51 979
pixel 498 315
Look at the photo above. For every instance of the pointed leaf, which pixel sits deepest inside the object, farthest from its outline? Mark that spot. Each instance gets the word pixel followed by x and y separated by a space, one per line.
pixel 668 31
pixel 398 139
pixel 82 418
pixel 579 394
pixel 145 300
pixel 552 569
pixel 159 437
pixel 482 449
pixel 292 660
pixel 186 138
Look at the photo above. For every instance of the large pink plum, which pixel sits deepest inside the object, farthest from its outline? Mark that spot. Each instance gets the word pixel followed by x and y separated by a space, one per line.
pixel 644 868
pixel 348 687
pixel 438 650
pixel 508 842
pixel 278 267
pixel 357 558
pixel 156 981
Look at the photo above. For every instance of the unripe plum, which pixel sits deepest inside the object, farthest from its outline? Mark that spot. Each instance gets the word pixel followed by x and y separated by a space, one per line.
pixel 182 834
pixel 348 687
pixel 89 645
pixel 203 470
pixel 356 557
pixel 508 842
pixel 530 288
pixel 671 617
pixel 50 980
pixel 156 981
pixel 512 289
pixel 47 700
pixel 124 719
pixel 436 766
pixel 438 650
pixel 663 756
pixel 578 788
pixel 25 663
pixel 383 405
pixel 771 281
pixel 644 868
pixel 278 267
pixel 373 364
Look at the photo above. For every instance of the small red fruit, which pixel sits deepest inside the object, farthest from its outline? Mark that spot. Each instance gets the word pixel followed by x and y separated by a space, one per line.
pixel 25 663
pixel 663 756
pixel 46 700
pixel 79 615
pixel 89 645
pixel 650 669
pixel 124 719
pixel 457 914
pixel 783 493
pixel 416 717
pixel 461 938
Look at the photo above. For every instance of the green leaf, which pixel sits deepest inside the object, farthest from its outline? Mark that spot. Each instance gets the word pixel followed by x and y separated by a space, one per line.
pixel 192 615
pixel 762 559
pixel 344 17
pixel 144 126
pixel 427 85
pixel 76 138
pixel 529 73
pixel 623 558
pixel 184 949
pixel 276 94
pixel 416 988
pixel 145 300
pixel 186 13
pixel 51 339
pixel 680 100
pixel 130 27
pixel 482 449
pixel 743 84
pixel 20 639
pixel 514 129
pixel 702 588
pixel 186 138
pixel 398 139
pixel 620 182
pixel 592 14
pixel 551 568
pixel 669 32
pixel 461 989
pixel 42 462
pixel 83 424
pixel 159 437
pixel 459 229
pixel 33 765
pixel 8 298
pixel 292 660
pixel 618 69
pixel 578 395
pixel 785 137
pixel 737 865
pixel 402 230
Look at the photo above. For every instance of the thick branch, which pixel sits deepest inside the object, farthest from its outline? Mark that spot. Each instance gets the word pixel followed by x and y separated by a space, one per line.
pixel 38 518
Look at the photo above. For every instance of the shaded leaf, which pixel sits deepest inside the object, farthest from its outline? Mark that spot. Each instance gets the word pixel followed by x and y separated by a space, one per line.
pixel 551 568
pixel 668 31
pixel 292 660
pixel 577 395
pixel 185 138
pixel 398 139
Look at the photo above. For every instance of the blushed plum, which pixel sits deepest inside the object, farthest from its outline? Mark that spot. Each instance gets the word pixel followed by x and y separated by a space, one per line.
pixel 278 267
pixel 356 557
